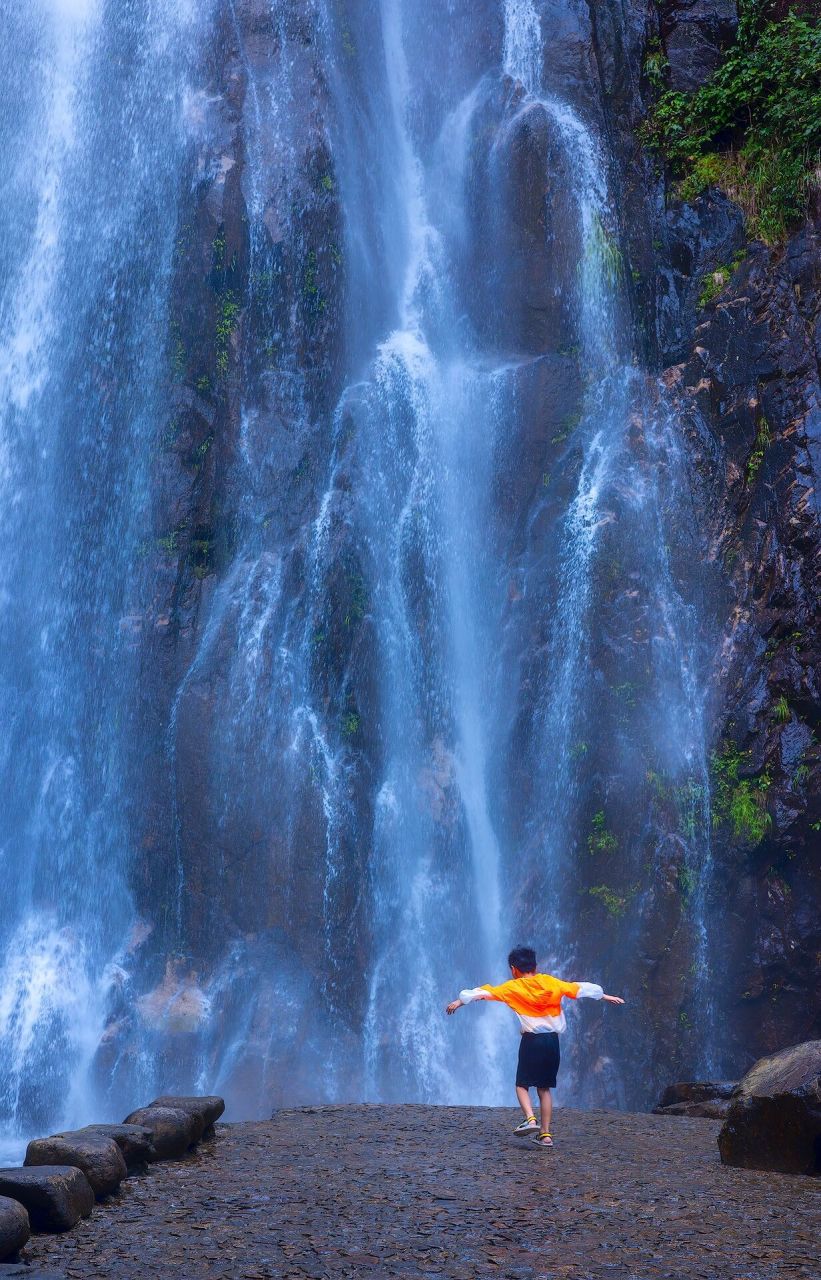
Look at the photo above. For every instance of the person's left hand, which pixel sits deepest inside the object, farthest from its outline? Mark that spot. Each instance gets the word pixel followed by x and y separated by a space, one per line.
pixel 453 1006
pixel 613 999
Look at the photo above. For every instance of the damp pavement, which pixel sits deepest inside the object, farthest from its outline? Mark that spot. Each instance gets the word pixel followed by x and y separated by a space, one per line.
pixel 449 1192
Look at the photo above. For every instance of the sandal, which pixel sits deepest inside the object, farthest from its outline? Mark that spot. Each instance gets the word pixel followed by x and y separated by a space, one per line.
pixel 528 1125
pixel 544 1139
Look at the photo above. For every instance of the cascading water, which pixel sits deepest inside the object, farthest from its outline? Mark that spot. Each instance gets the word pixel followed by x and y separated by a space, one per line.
pixel 382 737
pixel 92 99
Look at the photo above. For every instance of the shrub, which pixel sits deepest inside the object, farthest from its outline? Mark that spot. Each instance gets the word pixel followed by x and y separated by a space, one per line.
pixel 739 802
pixel 754 128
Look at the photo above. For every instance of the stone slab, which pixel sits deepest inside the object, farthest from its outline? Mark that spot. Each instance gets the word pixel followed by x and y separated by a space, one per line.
pixel 55 1196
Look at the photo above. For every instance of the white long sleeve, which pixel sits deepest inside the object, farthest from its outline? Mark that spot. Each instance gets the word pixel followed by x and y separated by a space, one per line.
pixel 473 993
pixel 589 991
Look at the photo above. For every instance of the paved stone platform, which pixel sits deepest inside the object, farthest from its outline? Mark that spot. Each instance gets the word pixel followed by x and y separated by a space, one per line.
pixel 449 1193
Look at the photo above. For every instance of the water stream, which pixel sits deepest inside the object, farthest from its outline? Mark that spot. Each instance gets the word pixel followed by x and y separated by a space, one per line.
pixel 394 789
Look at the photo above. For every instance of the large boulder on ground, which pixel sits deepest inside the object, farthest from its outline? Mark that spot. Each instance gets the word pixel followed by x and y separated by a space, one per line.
pixel 14 1228
pixel 135 1141
pixel 173 1131
pixel 98 1156
pixel 699 1099
pixel 774 1120
pixel 207 1108
pixel 55 1196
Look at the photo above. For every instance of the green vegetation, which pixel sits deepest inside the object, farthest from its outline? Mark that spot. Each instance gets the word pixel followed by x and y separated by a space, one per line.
pixel 763 439
pixel 754 129
pixel 226 324
pixel 310 284
pixel 604 250
pixel 781 710
pixel 567 425
pixel 687 882
pixel 739 802
pixel 600 839
pixel 613 903
pixel 358 599
pixel 326 182
pixel 713 283
pixel 655 63
pixel 350 724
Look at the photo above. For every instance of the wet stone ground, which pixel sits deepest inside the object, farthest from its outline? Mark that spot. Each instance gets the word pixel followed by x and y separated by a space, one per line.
pixel 450 1193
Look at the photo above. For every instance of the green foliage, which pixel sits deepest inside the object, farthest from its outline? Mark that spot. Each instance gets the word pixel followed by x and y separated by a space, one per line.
pixel 226 324
pixel 763 438
pixel 739 802
pixel 326 182
pixel 358 599
pixel 781 710
pixel 310 284
pixel 600 839
pixel 713 283
pixel 687 881
pixel 350 724
pixel 567 425
pixel 613 903
pixel 655 63
pixel 604 251
pixel 754 128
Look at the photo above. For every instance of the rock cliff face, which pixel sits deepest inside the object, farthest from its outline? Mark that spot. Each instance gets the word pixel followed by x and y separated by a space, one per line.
pixel 265 330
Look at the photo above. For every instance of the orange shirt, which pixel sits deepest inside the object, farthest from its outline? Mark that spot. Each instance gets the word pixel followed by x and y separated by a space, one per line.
pixel 536 995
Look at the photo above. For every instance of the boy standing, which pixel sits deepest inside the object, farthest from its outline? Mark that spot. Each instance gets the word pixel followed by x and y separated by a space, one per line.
pixel 537 1000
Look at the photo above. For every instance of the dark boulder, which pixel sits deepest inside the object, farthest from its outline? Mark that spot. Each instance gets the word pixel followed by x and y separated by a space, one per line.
pixel 14 1227
pixel 207 1108
pixel 774 1121
pixel 173 1131
pixel 98 1156
pixel 696 1091
pixel 55 1196
pixel 710 1109
pixel 135 1141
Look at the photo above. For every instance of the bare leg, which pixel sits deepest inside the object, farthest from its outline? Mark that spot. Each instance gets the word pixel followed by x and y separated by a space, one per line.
pixel 545 1108
pixel 524 1101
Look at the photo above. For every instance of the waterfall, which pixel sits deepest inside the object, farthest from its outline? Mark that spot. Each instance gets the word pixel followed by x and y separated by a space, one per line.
pixel 93 117
pixel 446 640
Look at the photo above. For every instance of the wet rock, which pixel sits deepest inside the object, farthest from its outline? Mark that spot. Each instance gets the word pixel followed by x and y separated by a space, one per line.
pixel 696 33
pixel 710 1109
pixel 135 1141
pixel 697 1099
pixel 14 1227
pixel 774 1121
pixel 97 1156
pixel 207 1108
pixel 691 1091
pixel 173 1131
pixel 55 1196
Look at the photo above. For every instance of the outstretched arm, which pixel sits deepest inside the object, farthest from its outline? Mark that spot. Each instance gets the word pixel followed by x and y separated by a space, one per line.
pixel 592 991
pixel 467 997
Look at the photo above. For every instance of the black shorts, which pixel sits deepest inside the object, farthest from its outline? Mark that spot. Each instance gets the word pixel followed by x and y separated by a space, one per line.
pixel 538 1060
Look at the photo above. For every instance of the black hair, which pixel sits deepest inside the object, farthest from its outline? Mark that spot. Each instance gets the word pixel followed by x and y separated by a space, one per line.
pixel 523 959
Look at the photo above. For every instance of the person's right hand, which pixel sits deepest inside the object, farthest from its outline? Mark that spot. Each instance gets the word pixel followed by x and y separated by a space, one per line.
pixel 453 1006
pixel 613 999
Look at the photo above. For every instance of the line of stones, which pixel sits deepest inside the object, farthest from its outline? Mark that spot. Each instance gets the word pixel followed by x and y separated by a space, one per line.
pixel 62 1176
